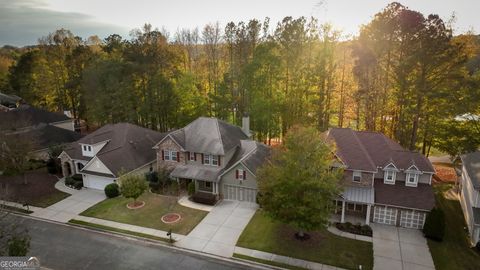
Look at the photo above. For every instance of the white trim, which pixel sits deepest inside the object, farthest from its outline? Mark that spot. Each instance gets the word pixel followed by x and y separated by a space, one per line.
pixel 239 162
pixel 416 176
pixel 91 160
pixel 353 176
pixel 391 163
pixel 385 177
pixel 168 136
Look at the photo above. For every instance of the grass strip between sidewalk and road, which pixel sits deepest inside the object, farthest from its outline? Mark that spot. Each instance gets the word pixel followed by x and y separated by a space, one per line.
pixel 262 261
pixel 116 230
pixel 8 208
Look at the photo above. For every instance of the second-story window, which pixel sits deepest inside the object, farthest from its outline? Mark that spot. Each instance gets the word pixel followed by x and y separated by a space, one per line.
pixel 170 155
pixel 389 177
pixel 191 156
pixel 210 160
pixel 412 179
pixel 357 176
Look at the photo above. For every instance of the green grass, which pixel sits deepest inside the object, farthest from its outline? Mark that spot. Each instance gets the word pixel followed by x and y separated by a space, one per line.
pixel 262 233
pixel 454 251
pixel 272 263
pixel 434 152
pixel 46 201
pixel 111 229
pixel 9 208
pixel 148 216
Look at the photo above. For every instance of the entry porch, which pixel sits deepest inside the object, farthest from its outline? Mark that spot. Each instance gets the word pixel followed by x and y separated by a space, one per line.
pixel 354 205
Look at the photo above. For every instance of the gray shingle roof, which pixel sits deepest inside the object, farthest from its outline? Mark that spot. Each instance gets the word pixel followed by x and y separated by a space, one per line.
pixel 363 150
pixel 129 146
pixel 209 135
pixel 420 197
pixel 26 116
pixel 45 136
pixel 471 162
pixel 256 158
pixel 199 172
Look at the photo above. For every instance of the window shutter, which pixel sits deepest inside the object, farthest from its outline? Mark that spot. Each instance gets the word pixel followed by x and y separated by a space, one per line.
pixel 187 156
pixel 163 155
pixel 178 156
pixel 202 159
pixel 219 164
pixel 244 175
pixel 236 174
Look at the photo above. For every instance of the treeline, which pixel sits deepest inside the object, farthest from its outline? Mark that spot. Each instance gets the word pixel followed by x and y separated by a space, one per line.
pixel 405 75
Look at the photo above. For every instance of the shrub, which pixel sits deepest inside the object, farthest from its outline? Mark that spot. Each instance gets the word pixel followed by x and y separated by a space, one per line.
pixel 52 167
pixel 132 186
pixel 477 246
pixel 152 177
pixel 78 184
pixel 77 177
pixel 348 225
pixel 191 188
pixel 69 181
pixel 205 198
pixel 154 185
pixel 112 190
pixel 434 227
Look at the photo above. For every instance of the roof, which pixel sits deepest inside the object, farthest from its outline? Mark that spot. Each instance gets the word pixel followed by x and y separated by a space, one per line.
pixel 198 172
pixel 359 194
pixel 471 163
pixel 45 136
pixel 476 215
pixel 127 148
pixel 209 135
pixel 9 100
pixel 25 116
pixel 256 158
pixel 420 197
pixel 367 151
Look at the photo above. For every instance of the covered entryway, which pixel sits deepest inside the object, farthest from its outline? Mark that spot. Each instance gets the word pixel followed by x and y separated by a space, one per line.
pixel 96 182
pixel 412 219
pixel 67 169
pixel 239 193
pixel 385 215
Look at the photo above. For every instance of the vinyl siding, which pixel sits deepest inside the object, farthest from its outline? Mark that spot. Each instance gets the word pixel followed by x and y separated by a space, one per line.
pixel 230 179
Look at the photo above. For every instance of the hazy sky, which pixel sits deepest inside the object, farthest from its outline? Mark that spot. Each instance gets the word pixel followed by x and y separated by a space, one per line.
pixel 22 22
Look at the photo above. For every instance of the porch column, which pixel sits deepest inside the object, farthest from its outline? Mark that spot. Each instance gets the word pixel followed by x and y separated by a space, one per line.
pixel 216 188
pixel 367 218
pixel 342 219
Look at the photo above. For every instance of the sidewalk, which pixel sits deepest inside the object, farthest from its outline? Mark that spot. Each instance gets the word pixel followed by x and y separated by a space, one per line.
pixel 128 227
pixel 283 259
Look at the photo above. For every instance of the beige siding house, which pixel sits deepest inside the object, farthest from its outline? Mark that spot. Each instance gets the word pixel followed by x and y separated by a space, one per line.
pixel 470 194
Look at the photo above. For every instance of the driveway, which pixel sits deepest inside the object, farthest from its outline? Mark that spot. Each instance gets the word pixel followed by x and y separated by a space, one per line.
pixel 219 231
pixel 397 248
pixel 70 207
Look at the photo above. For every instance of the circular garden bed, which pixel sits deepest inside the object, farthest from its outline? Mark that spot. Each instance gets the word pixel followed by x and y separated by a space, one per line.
pixel 171 218
pixel 135 205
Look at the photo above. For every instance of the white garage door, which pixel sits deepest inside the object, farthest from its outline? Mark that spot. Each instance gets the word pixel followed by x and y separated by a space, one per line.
pixel 96 182
pixel 240 193
pixel 385 215
pixel 412 219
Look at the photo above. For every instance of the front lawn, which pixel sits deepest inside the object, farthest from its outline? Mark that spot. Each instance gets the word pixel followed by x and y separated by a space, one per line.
pixel 454 251
pixel 39 190
pixel 150 215
pixel 262 233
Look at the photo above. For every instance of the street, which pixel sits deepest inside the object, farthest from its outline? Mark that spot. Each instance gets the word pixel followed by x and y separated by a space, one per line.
pixel 65 247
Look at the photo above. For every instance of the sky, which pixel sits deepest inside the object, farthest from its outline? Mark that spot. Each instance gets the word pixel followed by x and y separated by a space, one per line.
pixel 23 22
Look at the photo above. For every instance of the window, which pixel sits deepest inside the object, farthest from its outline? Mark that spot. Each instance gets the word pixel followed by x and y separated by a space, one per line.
pixel 357 176
pixel 389 177
pixel 84 148
pixel 208 184
pixel 170 155
pixel 89 148
pixel 241 174
pixel 211 160
pixel 79 166
pixel 412 179
pixel 191 156
pixel 214 160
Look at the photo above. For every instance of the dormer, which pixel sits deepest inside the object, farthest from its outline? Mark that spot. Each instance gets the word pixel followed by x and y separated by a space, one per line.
pixel 412 175
pixel 87 150
pixel 390 174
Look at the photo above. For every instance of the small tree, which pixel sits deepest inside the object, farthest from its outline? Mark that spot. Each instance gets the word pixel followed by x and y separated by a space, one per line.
pixel 434 227
pixel 133 186
pixel 298 185
pixel 19 245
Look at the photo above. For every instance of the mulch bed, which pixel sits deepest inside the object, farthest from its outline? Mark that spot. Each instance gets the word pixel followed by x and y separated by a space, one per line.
pixel 171 218
pixel 40 186
pixel 135 205
pixel 445 174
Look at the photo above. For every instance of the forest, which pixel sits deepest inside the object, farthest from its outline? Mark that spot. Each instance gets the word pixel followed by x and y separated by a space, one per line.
pixel 406 74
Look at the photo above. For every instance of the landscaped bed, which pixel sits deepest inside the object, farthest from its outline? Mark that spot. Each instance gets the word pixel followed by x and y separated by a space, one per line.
pixel 39 191
pixel 454 251
pixel 323 247
pixel 150 215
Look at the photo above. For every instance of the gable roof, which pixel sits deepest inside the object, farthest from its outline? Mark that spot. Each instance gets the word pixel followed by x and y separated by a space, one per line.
pixel 471 163
pixel 365 150
pixel 26 116
pixel 127 146
pixel 45 136
pixel 209 135
pixel 251 154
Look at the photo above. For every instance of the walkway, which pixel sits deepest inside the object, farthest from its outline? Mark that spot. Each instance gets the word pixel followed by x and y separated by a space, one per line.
pixel 184 201
pixel 219 231
pixel 128 227
pixel 283 259
pixel 70 207
pixel 397 248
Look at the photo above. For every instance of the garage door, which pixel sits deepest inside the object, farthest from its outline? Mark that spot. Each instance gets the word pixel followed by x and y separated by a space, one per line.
pixel 96 182
pixel 240 193
pixel 385 215
pixel 412 219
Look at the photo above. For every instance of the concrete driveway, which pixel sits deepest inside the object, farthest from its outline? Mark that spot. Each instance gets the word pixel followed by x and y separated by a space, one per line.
pixel 397 248
pixel 219 231
pixel 70 207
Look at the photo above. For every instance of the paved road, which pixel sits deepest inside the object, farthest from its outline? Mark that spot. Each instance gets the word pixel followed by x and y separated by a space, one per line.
pixel 64 247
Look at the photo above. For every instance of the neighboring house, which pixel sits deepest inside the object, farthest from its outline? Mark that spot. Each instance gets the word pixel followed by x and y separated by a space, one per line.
pixel 26 117
pixel 218 157
pixel 380 174
pixel 470 194
pixel 114 149
pixel 9 102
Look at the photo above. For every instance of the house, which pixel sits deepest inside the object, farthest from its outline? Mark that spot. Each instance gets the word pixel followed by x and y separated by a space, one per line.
pixel 9 102
pixel 470 194
pixel 26 117
pixel 218 157
pixel 383 182
pixel 101 156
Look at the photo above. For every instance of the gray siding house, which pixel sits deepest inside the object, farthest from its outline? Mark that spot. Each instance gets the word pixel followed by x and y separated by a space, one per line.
pixel 470 194
pixel 218 157
pixel 383 182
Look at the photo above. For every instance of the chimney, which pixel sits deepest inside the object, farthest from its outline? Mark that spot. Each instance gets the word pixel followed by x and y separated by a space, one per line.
pixel 246 124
